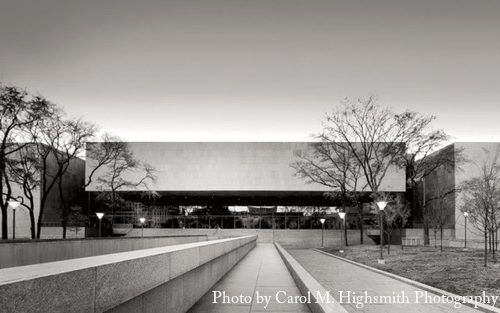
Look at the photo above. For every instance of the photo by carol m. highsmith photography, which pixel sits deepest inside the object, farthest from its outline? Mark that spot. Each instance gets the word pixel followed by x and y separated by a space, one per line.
pixel 358 299
pixel 214 156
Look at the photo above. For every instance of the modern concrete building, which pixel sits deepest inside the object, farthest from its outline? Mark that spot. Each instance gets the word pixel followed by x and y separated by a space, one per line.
pixel 467 159
pixel 230 173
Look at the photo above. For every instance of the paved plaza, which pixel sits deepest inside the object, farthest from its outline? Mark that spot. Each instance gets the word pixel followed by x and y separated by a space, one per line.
pixel 261 272
pixel 336 275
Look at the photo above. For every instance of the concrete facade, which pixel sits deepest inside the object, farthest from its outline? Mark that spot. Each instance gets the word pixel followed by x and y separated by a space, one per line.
pixel 25 253
pixel 102 283
pixel 229 166
pixel 468 158
pixel 289 238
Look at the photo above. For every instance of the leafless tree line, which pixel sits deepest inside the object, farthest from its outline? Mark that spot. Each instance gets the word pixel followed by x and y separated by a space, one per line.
pixel 481 200
pixel 38 145
pixel 361 142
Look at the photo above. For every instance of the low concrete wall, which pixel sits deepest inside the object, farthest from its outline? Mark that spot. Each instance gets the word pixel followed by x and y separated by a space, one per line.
pixel 308 285
pixel 418 233
pixel 56 232
pixel 109 282
pixel 471 244
pixel 289 238
pixel 33 252
pixel 415 237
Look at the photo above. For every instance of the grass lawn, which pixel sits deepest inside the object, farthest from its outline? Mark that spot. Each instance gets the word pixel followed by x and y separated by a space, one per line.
pixel 454 270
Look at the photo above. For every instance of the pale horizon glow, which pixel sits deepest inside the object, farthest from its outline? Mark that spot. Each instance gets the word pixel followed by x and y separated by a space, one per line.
pixel 244 70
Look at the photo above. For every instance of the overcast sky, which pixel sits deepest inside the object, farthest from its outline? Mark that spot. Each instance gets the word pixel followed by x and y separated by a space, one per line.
pixel 254 70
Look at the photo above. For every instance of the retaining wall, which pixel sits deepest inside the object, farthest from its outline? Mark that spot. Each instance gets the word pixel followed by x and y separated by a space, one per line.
pixel 179 275
pixel 288 238
pixel 33 252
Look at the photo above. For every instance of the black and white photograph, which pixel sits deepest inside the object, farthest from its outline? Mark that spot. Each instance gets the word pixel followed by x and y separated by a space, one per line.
pixel 244 156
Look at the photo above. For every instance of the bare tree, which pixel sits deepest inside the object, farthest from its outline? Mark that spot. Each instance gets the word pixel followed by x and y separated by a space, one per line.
pixel 24 170
pixel 114 176
pixel 73 136
pixel 103 153
pixel 378 138
pixel 481 198
pixel 438 210
pixel 403 214
pixel 332 164
pixel 59 142
pixel 19 111
pixel 424 154
pixel 396 215
pixel 373 133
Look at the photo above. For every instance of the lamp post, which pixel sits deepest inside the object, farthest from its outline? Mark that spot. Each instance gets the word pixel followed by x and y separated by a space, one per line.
pixel 322 220
pixel 14 204
pixel 142 220
pixel 342 217
pixel 465 216
pixel 381 206
pixel 99 216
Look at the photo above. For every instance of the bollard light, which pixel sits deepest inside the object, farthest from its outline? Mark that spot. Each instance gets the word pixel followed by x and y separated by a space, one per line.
pixel 322 221
pixel 342 231
pixel 99 216
pixel 381 205
pixel 142 220
pixel 14 204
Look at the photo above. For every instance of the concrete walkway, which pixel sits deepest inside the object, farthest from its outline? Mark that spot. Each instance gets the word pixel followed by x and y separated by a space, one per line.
pixel 336 275
pixel 261 272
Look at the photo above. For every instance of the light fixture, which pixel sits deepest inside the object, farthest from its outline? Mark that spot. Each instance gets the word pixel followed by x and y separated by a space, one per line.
pixel 466 214
pixel 322 220
pixel 381 205
pixel 342 215
pixel 142 220
pixel 14 204
pixel 99 216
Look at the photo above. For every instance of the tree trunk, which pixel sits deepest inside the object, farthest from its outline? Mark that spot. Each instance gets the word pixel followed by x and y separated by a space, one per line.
pixel 426 234
pixel 344 221
pixel 360 222
pixel 492 239
pixel 113 200
pixel 485 247
pixel 64 208
pixel 441 237
pixel 389 238
pixel 345 232
pixel 39 223
pixel 401 238
pixel 3 205
pixel 32 214
pixel 32 224
pixel 496 240
pixel 4 222
pixel 489 240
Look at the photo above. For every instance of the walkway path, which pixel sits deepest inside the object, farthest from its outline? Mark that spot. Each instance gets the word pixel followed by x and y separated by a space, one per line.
pixel 336 275
pixel 261 272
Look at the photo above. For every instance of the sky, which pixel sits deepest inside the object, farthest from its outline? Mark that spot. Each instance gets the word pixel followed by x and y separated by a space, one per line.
pixel 254 70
